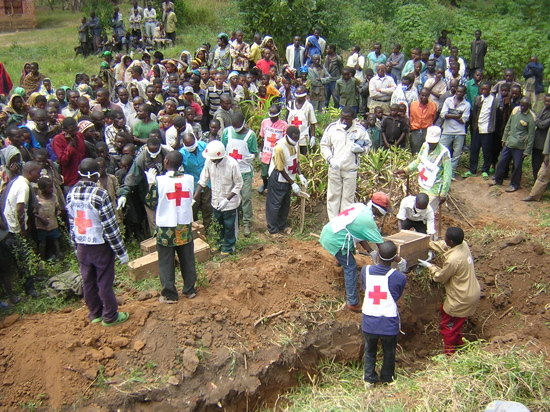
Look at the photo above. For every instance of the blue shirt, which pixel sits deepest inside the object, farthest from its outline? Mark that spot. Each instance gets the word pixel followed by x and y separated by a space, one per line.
pixel 193 163
pixel 378 325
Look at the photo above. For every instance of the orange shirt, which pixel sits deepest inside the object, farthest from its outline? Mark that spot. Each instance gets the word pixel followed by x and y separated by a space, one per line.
pixel 422 116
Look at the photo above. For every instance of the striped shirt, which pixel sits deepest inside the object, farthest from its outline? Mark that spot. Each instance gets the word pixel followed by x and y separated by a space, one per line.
pixel 88 191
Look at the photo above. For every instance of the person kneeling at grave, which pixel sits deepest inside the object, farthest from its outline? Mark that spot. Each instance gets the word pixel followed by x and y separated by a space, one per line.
pixel 416 212
pixel 171 196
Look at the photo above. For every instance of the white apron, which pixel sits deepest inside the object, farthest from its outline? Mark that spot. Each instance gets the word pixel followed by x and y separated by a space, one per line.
pixel 238 150
pixel 87 227
pixel 427 171
pixel 291 163
pixel 175 200
pixel 378 299
pixel 297 118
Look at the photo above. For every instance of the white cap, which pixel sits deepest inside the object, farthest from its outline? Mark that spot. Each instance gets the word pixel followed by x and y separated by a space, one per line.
pixel 188 89
pixel 433 134
pixel 506 406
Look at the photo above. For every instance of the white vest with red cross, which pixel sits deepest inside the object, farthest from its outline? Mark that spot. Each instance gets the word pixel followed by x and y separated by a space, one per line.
pixel 378 299
pixel 175 200
pixel 87 226
pixel 297 118
pixel 291 162
pixel 347 216
pixel 238 150
pixel 427 170
pixel 271 137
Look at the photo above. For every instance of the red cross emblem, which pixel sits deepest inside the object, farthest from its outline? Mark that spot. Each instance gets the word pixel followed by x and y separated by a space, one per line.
pixel 294 166
pixel 422 175
pixel 178 194
pixel 236 155
pixel 296 122
pixel 81 222
pixel 346 212
pixel 272 139
pixel 377 296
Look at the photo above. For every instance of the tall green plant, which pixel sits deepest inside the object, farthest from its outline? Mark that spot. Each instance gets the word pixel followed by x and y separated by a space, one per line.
pixel 103 9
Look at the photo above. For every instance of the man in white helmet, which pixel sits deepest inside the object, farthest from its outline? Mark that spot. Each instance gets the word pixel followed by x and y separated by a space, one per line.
pixel 226 182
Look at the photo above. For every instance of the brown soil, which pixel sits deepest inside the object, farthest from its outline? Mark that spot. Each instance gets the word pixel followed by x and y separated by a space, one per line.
pixel 211 352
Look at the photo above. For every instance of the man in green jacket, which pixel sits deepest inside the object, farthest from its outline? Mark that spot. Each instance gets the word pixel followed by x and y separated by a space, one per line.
pixel 517 142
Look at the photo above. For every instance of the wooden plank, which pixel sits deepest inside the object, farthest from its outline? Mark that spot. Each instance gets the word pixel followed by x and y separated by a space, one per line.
pixel 148 246
pixel 144 267
pixel 202 250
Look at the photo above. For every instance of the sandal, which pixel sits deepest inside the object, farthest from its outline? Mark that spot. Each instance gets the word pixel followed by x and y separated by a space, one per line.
pixel 97 320
pixel 122 317
pixel 485 176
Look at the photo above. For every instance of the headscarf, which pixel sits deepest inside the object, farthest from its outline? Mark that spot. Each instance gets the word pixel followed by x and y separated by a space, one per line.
pixel 8 153
pixel 31 101
pixel 264 43
pixel 19 91
pixel 313 48
pixel 34 142
pixel 5 80
pixel 9 107
pixel 23 73
pixel 223 35
pixel 44 92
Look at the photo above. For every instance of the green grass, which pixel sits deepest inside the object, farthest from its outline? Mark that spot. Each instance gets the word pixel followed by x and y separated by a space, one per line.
pixel 465 382
pixel 52 43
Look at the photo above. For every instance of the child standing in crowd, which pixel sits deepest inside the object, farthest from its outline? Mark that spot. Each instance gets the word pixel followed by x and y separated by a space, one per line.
pixel 47 229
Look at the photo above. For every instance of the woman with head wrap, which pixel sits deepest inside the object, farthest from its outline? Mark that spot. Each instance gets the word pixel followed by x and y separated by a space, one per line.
pixel 146 65
pixel 222 56
pixel 16 106
pixel 120 69
pixel 26 70
pixel 202 56
pixel 312 48
pixel 11 160
pixel 33 80
pixel 268 43
pixel 170 108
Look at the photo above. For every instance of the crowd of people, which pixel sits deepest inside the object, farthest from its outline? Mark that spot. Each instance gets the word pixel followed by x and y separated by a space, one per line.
pixel 165 141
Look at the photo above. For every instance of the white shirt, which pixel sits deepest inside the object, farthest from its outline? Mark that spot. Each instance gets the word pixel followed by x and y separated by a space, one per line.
pixel 172 135
pixel 485 114
pixel 355 59
pixel 337 143
pixel 127 109
pixel 68 112
pixel 407 210
pixel 149 16
pixel 385 84
pixel 19 193
pixel 225 178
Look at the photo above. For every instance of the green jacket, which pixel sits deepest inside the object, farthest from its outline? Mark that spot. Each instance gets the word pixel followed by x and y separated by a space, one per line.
pixel 520 131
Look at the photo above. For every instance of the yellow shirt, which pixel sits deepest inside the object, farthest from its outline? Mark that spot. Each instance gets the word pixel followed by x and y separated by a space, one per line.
pixel 279 155
pixel 255 53
pixel 459 278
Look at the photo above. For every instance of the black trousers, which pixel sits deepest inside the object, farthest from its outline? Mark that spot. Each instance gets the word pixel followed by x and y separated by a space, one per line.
pixel 536 162
pixel 419 226
pixel 277 206
pixel 186 256
pixel 389 345
pixel 482 142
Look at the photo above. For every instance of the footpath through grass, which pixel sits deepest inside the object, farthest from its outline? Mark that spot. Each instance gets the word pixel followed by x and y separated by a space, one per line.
pixel 52 43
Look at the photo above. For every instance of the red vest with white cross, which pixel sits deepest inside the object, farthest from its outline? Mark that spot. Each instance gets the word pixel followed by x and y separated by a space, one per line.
pixel 378 299
pixel 175 198
pixel 272 133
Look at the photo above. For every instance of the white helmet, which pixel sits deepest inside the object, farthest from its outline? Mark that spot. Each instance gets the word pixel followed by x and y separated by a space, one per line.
pixel 214 150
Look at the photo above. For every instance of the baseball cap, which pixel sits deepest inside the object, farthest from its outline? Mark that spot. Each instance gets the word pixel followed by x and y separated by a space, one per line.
pixel 382 200
pixel 506 406
pixel 188 89
pixel 107 53
pixel 433 134
pixel 84 124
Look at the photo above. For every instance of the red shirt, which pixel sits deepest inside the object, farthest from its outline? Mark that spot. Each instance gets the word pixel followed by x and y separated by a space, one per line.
pixel 264 65
pixel 197 107
pixel 69 157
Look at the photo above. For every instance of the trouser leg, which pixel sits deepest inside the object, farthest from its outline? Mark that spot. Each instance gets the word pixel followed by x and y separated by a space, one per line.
pixel 246 196
pixel 349 185
pixel 371 347
pixel 334 192
pixel 515 178
pixel 418 137
pixel 475 147
pixel 350 276
pixel 166 260
pixel 389 345
pixel 97 268
pixel 541 183
pixel 186 256
pixel 536 161
pixel 502 166
pixel 228 231
pixel 450 327
pixel 277 195
pixel 486 147
pixel 151 220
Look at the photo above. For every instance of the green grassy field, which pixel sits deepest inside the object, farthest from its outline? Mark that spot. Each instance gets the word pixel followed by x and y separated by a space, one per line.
pixel 52 43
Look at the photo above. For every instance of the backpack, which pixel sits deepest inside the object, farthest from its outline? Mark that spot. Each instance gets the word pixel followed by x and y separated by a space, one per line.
pixel 65 285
